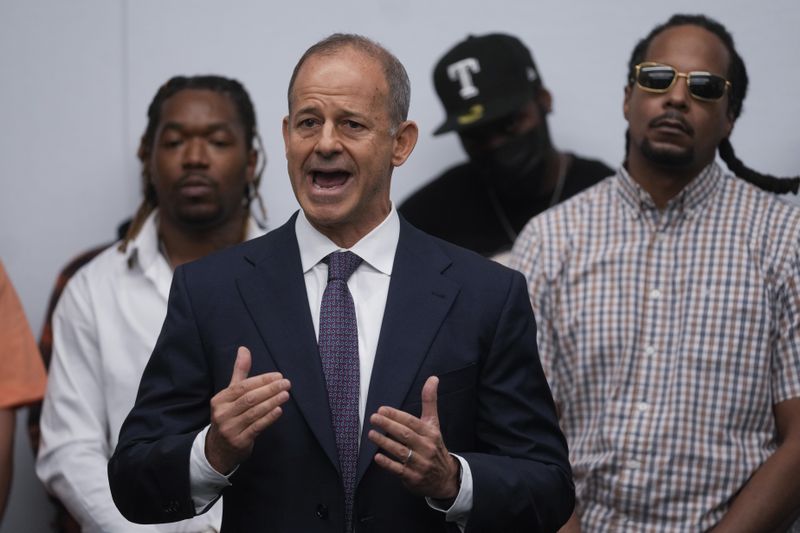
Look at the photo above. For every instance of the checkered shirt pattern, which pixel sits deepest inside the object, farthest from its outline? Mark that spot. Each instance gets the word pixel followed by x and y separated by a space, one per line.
pixel 338 349
pixel 667 337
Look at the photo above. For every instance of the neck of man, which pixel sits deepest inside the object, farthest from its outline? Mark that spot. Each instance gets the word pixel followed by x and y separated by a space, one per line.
pixel 541 181
pixel 346 236
pixel 661 182
pixel 183 243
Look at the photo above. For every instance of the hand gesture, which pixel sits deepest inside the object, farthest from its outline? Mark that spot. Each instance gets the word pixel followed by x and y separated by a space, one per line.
pixel 420 458
pixel 240 412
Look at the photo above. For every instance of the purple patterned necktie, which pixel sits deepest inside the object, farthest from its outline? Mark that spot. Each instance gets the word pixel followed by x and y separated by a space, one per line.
pixel 338 349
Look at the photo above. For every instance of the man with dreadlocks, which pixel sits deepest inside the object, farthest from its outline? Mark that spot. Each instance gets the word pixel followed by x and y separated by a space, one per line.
pixel 668 304
pixel 201 159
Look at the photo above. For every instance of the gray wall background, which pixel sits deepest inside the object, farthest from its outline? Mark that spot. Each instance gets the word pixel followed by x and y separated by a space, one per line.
pixel 76 78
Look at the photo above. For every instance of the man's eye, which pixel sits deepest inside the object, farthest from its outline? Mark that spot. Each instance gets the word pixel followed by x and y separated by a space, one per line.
pixel 307 123
pixel 171 143
pixel 220 143
pixel 353 125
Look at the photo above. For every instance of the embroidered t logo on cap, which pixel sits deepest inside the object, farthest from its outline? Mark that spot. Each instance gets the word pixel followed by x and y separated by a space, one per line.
pixel 462 71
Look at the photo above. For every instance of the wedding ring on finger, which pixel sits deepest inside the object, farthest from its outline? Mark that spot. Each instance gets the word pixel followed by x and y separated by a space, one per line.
pixel 408 457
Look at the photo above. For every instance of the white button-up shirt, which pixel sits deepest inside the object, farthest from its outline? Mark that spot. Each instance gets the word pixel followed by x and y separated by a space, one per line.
pixel 104 329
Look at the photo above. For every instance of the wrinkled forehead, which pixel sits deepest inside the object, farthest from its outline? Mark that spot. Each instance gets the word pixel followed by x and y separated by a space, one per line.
pixel 346 70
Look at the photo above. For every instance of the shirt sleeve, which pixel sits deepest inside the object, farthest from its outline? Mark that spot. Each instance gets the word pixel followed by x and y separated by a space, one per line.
pixel 205 482
pixel 75 444
pixel 22 375
pixel 459 511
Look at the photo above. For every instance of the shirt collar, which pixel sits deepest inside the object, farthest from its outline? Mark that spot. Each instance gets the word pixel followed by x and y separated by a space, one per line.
pixel 691 197
pixel 376 248
pixel 144 249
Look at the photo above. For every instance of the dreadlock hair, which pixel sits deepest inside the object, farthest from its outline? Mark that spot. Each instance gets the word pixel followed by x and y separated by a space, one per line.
pixel 244 107
pixel 737 75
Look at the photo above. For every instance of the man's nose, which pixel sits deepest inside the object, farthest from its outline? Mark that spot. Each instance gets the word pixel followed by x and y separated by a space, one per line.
pixel 678 95
pixel 196 153
pixel 328 142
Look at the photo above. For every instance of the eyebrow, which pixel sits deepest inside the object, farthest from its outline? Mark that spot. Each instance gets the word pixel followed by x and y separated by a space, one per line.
pixel 209 128
pixel 316 109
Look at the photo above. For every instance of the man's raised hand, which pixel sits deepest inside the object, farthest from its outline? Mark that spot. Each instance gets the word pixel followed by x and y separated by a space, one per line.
pixel 414 447
pixel 240 412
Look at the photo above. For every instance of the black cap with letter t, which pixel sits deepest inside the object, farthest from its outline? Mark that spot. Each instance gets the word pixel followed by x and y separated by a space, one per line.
pixel 483 78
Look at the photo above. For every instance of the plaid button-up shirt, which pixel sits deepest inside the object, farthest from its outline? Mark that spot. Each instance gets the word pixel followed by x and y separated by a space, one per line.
pixel 667 336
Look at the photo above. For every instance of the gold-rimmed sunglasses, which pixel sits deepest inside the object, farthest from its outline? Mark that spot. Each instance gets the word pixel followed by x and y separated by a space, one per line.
pixel 659 78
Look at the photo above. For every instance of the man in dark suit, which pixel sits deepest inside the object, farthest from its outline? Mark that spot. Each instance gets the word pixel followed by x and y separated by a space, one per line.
pixel 406 397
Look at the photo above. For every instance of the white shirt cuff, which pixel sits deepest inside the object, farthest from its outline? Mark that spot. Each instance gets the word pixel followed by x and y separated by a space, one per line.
pixel 459 511
pixel 205 483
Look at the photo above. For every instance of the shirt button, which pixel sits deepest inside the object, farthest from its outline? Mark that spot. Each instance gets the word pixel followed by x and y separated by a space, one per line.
pixel 655 294
pixel 650 349
pixel 321 512
pixel 642 407
pixel 633 464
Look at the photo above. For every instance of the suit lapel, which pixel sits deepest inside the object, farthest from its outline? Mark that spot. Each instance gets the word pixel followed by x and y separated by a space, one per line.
pixel 418 301
pixel 275 295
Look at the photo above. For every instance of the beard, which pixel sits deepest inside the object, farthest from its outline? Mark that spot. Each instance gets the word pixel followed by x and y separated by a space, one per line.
pixel 671 158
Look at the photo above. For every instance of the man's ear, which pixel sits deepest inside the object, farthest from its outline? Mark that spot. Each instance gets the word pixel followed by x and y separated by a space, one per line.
pixel 626 101
pixel 545 100
pixel 252 165
pixel 404 141
pixel 731 122
pixel 143 153
pixel 285 129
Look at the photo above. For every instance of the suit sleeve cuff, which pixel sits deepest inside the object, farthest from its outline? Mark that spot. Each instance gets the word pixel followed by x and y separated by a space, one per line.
pixel 205 482
pixel 459 511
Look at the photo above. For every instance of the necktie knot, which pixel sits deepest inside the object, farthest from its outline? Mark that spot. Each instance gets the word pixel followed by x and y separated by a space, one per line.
pixel 341 265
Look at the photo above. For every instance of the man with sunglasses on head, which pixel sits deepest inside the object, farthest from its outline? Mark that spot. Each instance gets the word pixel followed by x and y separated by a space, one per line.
pixel 668 305
pixel 495 101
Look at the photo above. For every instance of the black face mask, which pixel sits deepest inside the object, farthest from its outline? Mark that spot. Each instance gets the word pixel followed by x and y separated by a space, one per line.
pixel 517 162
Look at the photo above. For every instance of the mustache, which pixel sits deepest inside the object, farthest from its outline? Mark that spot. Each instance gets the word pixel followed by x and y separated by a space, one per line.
pixel 672 118
pixel 195 178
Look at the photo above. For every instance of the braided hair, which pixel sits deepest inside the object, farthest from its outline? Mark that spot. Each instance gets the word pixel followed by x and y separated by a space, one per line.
pixel 737 75
pixel 246 111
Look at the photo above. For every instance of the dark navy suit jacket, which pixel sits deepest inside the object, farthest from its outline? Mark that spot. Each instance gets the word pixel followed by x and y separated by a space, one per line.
pixel 449 313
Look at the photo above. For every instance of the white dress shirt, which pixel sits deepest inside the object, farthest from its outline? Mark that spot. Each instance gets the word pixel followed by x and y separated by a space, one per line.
pixel 104 329
pixel 369 286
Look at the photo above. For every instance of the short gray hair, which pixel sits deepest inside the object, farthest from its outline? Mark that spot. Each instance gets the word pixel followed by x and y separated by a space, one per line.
pixel 394 72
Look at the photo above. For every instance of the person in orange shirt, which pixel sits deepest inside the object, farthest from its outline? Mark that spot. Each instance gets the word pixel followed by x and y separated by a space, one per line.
pixel 22 377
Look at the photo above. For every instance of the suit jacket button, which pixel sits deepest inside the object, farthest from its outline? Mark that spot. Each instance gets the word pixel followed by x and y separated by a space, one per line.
pixel 321 512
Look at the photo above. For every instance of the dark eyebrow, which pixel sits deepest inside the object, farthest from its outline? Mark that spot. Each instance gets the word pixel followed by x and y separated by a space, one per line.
pixel 346 113
pixel 208 129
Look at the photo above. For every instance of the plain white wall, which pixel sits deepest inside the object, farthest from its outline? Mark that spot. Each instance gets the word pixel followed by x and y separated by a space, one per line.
pixel 77 78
